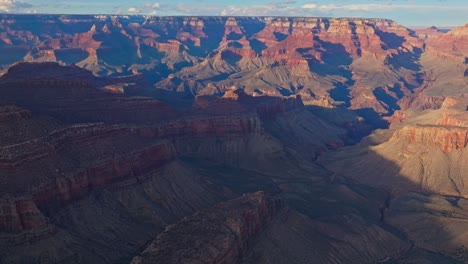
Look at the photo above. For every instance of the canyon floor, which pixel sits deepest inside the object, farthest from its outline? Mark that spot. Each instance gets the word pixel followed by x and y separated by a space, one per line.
pixel 231 140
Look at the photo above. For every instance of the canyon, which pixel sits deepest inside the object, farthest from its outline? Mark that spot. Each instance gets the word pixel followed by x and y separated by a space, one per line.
pixel 326 61
pixel 143 139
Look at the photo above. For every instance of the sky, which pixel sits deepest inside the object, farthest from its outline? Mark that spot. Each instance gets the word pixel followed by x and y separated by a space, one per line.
pixel 415 13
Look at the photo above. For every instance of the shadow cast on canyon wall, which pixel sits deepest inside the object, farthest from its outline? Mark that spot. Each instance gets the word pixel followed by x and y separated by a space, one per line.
pixel 348 192
pixel 358 123
pixel 430 222
pixel 407 60
pixel 335 60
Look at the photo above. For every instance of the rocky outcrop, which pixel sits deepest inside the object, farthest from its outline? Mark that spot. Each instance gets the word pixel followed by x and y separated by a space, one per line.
pixel 236 101
pixel 453 112
pixel 85 39
pixel 397 117
pixel 66 185
pixel 421 101
pixel 446 138
pixel 62 191
pixel 218 235
pixel 235 53
pixel 171 46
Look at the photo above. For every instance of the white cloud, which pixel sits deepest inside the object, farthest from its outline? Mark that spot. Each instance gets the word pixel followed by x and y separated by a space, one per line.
pixel 377 7
pixel 289 8
pixel 133 10
pixel 152 8
pixel 283 9
pixel 272 9
pixel 309 6
pixel 351 7
pixel 7 6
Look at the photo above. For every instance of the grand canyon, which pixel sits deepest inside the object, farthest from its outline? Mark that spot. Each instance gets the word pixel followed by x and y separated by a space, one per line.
pixel 252 140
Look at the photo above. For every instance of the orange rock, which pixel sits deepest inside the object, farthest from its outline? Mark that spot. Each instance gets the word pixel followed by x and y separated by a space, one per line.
pixel 447 138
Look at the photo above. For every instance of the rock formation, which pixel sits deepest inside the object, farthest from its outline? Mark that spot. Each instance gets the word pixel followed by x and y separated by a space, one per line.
pixel 218 235
pixel 208 55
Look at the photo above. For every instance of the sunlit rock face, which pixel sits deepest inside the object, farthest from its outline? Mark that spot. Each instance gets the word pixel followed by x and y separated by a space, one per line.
pixel 271 56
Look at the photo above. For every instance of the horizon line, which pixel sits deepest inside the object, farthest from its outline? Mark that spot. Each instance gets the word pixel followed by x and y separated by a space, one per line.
pixel 264 16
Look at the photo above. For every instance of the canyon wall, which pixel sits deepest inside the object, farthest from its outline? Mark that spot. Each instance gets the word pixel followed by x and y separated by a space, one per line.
pixel 311 57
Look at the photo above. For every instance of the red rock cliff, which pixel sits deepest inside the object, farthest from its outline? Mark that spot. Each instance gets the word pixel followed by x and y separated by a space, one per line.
pixel 447 138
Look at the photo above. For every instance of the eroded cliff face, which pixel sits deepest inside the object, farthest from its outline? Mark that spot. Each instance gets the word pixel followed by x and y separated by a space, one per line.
pixel 311 57
pixel 446 138
pixel 361 63
pixel 57 184
pixel 296 54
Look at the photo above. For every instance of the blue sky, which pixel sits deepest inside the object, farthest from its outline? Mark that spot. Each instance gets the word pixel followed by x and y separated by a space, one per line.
pixel 407 12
